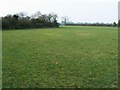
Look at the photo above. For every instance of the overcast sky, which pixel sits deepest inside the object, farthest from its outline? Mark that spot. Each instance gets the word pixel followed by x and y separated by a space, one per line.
pixel 77 10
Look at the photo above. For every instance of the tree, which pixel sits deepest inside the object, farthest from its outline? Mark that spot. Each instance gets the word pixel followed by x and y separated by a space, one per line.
pixel 15 16
pixel 119 23
pixel 54 17
pixel 49 16
pixel 65 19
pixel 114 24
pixel 36 15
pixel 22 21
pixel 22 14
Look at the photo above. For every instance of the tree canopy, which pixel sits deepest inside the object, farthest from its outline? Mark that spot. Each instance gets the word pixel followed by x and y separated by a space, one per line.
pixel 22 21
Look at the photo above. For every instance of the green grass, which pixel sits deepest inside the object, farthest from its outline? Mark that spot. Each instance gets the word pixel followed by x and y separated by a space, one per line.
pixel 80 57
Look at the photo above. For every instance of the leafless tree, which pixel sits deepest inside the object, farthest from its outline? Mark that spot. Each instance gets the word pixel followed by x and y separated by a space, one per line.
pixel 65 19
pixel 22 14
pixel 36 15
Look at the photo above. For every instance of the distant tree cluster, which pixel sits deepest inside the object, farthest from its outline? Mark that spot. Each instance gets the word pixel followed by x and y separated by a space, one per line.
pixel 70 23
pixel 22 21
pixel 92 24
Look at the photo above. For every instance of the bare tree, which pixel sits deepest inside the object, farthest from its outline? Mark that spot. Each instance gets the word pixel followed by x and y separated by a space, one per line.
pixel 54 16
pixel 65 19
pixel 49 16
pixel 22 14
pixel 36 15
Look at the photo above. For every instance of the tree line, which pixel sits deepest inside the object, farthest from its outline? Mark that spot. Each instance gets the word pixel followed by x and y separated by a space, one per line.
pixel 114 24
pixel 22 21
pixel 38 20
pixel 91 24
pixel 66 22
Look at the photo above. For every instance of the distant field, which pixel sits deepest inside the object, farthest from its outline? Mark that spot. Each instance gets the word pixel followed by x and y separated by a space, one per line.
pixel 80 57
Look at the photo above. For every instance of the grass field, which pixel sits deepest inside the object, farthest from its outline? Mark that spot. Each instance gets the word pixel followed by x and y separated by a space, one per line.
pixel 80 57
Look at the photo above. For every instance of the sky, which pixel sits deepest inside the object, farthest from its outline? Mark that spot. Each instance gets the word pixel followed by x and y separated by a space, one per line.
pixel 77 10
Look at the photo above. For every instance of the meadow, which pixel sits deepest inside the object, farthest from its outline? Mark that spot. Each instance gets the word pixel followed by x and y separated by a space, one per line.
pixel 64 57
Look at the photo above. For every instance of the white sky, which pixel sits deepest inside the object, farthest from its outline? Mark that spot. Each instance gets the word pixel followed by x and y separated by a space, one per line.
pixel 77 10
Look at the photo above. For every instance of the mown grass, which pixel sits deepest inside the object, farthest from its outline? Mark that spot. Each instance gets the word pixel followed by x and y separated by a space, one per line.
pixel 81 57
